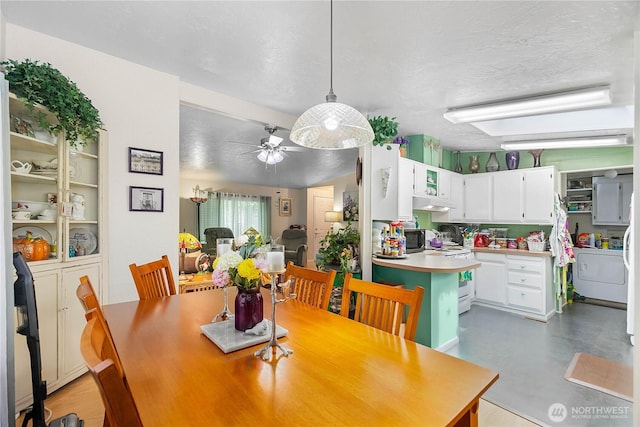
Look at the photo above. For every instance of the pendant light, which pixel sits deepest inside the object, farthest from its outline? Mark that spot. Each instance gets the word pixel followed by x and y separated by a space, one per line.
pixel 331 125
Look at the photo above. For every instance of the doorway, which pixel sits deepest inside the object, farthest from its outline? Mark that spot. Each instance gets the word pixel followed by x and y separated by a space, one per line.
pixel 320 201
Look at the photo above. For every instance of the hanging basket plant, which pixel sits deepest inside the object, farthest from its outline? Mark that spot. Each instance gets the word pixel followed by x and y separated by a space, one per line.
pixel 384 130
pixel 36 82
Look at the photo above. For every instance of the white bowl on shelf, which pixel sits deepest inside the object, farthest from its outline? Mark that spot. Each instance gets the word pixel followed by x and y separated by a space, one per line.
pixel 36 208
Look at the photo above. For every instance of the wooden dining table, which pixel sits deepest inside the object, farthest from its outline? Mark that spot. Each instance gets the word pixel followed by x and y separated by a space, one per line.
pixel 341 372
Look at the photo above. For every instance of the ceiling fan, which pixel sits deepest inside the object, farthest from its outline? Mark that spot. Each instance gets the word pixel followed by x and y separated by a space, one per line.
pixel 271 151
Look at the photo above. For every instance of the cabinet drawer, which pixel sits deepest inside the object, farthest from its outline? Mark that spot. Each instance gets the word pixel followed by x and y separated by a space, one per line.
pixel 520 278
pixel 530 299
pixel 485 256
pixel 521 263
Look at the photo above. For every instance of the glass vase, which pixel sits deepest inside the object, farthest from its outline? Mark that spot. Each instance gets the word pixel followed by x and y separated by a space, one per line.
pixel 513 159
pixel 249 308
pixel 492 164
pixel 458 168
pixel 474 164
pixel 536 157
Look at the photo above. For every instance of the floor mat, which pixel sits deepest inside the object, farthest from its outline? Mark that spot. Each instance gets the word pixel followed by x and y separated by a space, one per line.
pixel 601 374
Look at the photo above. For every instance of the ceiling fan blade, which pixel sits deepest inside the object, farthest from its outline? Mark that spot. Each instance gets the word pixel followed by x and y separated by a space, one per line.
pixel 242 142
pixel 292 149
pixel 251 152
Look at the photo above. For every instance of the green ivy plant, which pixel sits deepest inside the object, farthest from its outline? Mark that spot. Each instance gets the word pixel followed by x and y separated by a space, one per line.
pixel 36 82
pixel 337 246
pixel 384 130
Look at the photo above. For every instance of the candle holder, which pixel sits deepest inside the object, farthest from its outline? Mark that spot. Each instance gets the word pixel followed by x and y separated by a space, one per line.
pixel 223 246
pixel 273 344
pixel 275 267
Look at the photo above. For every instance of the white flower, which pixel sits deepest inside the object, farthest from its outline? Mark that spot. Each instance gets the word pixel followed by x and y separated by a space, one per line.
pixel 228 260
pixel 241 240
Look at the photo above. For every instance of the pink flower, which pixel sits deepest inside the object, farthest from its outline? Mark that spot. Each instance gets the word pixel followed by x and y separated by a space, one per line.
pixel 221 278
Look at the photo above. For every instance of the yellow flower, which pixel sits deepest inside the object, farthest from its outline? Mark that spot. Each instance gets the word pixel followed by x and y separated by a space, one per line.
pixel 247 270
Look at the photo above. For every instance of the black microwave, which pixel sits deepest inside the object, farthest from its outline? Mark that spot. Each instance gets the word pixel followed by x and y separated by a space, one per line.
pixel 415 240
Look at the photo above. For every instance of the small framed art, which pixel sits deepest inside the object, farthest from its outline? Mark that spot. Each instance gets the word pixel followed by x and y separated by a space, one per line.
pixel 285 206
pixel 145 161
pixel 146 199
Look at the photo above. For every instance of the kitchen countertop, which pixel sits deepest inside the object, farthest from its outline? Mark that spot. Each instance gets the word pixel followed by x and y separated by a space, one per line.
pixel 428 262
pixel 521 252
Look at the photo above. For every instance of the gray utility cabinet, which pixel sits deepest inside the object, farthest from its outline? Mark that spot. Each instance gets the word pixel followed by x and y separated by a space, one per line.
pixel 612 199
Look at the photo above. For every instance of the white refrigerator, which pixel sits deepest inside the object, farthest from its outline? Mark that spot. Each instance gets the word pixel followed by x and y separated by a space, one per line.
pixel 627 257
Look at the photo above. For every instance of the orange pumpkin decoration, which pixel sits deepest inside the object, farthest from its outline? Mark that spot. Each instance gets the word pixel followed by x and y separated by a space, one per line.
pixel 32 249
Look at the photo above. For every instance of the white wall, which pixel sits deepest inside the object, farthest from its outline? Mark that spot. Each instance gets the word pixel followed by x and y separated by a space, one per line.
pixel 140 108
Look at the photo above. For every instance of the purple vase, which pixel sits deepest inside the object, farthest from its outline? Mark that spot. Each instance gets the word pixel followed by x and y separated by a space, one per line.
pixel 513 160
pixel 249 311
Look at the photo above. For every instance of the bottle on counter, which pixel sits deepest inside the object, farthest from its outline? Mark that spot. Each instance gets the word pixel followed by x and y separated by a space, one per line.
pixel 592 240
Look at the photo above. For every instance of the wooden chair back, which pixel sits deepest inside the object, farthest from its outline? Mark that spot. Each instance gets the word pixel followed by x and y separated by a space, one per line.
pixel 311 287
pixel 87 295
pixel 120 409
pixel 92 310
pixel 154 279
pixel 383 306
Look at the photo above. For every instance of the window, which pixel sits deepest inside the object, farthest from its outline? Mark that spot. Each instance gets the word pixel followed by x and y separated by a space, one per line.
pixel 237 212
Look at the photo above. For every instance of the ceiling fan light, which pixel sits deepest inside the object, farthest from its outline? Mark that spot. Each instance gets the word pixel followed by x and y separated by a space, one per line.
pixel 262 156
pixel 270 157
pixel 331 126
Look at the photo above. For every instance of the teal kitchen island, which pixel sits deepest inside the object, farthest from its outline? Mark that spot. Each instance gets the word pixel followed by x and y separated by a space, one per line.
pixel 438 275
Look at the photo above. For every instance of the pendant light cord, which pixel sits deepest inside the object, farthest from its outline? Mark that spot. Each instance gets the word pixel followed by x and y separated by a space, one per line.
pixel 331 97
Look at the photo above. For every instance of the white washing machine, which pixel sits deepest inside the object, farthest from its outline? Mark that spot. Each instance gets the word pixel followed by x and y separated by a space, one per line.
pixel 600 274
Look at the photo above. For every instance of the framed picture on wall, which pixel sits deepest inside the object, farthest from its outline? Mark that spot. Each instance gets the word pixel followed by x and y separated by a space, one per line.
pixel 146 199
pixel 350 206
pixel 145 161
pixel 285 206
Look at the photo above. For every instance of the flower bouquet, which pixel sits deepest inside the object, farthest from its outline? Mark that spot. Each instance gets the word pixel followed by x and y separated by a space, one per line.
pixel 241 269
pixel 403 143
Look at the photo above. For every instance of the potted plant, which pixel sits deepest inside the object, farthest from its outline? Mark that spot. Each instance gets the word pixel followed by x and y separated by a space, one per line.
pixel 384 129
pixel 339 249
pixel 35 82
pixel 403 143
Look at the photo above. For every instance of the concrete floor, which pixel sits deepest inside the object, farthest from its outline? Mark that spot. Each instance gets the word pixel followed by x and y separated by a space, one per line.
pixel 532 358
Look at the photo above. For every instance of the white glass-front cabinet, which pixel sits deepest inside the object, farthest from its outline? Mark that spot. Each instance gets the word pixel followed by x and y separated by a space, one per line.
pixel 57 176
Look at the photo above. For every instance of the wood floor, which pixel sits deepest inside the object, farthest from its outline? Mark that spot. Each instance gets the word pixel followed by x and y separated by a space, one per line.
pixel 82 397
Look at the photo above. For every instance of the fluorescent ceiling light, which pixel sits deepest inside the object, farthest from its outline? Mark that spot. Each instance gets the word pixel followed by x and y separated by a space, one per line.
pixel 593 121
pixel 529 106
pixel 586 142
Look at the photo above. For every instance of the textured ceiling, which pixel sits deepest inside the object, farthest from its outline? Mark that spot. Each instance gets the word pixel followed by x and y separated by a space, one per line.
pixel 410 60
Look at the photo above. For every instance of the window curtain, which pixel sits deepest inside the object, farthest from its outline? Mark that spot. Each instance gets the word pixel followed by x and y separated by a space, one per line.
pixel 237 212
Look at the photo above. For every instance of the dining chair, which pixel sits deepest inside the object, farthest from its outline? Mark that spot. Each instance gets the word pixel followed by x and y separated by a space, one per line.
pixel 311 287
pixel 120 409
pixel 92 310
pixel 383 306
pixel 154 279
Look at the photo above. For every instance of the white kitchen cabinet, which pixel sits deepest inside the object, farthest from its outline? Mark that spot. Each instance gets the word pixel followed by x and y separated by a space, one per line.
pixel 60 320
pixel 510 197
pixel 490 278
pixel 539 188
pixel 46 286
pixel 478 196
pixel 515 283
pixel 507 196
pixel 391 184
pixel 611 200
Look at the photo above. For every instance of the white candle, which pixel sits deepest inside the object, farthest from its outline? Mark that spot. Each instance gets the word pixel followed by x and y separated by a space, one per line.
pixel 275 261
pixel 223 248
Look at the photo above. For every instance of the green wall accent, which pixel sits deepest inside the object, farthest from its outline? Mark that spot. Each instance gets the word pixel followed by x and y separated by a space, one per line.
pixel 562 159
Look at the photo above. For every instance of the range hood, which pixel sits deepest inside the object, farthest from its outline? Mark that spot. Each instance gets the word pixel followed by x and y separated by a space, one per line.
pixel 431 203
